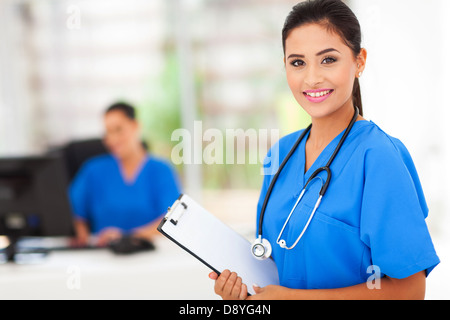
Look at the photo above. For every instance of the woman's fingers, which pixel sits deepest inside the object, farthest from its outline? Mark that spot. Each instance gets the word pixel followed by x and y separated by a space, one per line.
pixel 244 293
pixel 107 235
pixel 236 290
pixel 229 285
pixel 213 275
pixel 221 281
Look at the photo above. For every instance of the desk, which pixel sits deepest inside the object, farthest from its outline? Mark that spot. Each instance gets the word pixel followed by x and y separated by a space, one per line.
pixel 166 273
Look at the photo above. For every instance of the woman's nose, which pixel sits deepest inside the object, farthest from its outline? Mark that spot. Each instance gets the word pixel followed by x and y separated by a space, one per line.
pixel 313 77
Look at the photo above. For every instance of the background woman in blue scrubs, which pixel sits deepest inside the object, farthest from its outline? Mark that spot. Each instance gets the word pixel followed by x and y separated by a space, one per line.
pixel 372 217
pixel 126 191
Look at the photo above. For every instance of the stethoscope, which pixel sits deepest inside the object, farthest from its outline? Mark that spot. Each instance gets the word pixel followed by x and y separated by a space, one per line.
pixel 261 248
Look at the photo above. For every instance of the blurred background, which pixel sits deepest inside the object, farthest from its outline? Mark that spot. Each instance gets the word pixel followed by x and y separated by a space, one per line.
pixel 62 63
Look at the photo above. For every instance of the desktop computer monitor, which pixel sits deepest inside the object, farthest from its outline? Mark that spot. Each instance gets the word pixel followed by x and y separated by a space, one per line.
pixel 33 199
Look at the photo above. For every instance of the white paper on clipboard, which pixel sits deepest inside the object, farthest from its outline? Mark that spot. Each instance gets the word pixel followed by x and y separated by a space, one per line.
pixel 215 244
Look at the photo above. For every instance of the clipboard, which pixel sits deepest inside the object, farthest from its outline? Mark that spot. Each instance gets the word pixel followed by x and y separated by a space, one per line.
pixel 215 244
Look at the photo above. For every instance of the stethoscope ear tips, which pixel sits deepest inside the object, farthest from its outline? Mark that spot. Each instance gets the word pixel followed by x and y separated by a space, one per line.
pixel 261 249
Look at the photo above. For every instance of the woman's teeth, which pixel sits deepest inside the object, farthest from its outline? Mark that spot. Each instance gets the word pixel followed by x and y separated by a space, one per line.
pixel 318 94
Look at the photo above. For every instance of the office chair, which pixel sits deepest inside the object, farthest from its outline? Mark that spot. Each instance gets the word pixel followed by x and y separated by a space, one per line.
pixel 77 152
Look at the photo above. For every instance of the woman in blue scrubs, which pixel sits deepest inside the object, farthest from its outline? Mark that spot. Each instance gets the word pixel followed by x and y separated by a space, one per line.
pixel 368 238
pixel 125 192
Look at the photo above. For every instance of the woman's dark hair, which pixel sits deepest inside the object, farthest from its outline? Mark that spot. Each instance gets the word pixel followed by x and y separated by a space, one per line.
pixel 127 110
pixel 337 17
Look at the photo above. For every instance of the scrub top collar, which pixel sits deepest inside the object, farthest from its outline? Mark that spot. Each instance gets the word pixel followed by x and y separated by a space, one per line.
pixel 131 181
pixel 323 157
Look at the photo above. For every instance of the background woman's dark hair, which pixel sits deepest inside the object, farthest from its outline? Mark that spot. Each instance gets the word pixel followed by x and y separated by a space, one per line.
pixel 337 17
pixel 127 109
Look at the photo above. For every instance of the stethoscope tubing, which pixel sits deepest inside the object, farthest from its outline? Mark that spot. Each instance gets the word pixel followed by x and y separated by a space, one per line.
pixel 275 178
pixel 282 243
pixel 322 192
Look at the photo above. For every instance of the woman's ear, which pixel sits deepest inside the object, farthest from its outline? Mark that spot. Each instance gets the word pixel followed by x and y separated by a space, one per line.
pixel 361 62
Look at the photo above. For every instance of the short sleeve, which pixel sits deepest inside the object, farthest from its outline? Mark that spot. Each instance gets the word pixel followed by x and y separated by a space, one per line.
pixel 168 188
pixel 393 214
pixel 79 194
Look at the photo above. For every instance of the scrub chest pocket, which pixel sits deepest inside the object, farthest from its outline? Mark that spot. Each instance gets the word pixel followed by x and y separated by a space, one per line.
pixel 330 250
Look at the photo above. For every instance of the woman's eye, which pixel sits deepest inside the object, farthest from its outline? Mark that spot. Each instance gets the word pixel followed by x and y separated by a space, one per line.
pixel 329 60
pixel 298 63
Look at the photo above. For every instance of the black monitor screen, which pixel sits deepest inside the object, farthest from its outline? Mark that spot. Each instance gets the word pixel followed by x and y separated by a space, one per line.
pixel 33 197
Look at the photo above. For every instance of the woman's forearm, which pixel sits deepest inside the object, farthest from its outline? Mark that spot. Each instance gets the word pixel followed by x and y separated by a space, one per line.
pixel 149 231
pixel 81 232
pixel 411 288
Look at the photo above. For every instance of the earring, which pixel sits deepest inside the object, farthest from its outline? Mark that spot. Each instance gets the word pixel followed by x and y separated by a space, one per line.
pixel 360 74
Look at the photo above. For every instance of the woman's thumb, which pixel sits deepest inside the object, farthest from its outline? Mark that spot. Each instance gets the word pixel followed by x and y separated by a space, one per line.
pixel 257 288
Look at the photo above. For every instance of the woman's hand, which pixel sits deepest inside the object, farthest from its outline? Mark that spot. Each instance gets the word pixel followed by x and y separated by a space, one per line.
pixel 148 231
pixel 229 286
pixel 82 234
pixel 107 235
pixel 269 293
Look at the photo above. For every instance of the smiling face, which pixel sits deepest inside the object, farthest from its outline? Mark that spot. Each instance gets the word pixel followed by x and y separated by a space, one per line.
pixel 321 69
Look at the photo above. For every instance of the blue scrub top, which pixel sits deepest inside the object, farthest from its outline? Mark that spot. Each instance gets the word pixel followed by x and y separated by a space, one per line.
pixel 100 195
pixel 372 214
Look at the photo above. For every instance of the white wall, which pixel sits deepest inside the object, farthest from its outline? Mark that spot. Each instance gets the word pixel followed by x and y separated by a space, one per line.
pixel 15 109
pixel 405 82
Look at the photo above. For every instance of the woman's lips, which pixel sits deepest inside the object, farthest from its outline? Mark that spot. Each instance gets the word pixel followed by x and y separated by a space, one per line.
pixel 317 96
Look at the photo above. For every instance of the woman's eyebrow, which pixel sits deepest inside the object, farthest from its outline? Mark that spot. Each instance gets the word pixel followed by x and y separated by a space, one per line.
pixel 296 56
pixel 317 54
pixel 326 51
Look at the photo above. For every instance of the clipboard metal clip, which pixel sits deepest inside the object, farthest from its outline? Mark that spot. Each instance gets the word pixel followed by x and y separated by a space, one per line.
pixel 175 212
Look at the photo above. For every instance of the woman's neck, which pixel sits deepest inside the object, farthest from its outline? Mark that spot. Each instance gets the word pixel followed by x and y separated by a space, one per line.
pixel 325 129
pixel 132 161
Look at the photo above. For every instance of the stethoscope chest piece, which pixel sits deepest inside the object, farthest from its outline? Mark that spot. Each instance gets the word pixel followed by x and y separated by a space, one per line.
pixel 261 249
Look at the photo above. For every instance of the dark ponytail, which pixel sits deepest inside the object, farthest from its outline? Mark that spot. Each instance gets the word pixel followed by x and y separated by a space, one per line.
pixel 336 16
pixel 357 100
